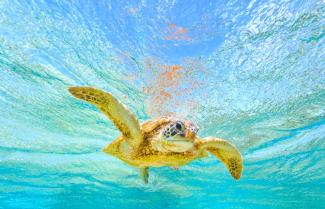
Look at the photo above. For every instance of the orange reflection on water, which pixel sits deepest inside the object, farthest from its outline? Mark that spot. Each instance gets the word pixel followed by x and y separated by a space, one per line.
pixel 169 89
pixel 176 33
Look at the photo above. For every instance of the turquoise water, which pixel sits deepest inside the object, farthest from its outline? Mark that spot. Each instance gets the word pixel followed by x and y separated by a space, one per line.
pixel 252 72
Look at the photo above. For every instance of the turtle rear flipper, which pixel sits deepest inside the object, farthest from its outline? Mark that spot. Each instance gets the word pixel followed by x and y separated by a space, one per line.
pixel 118 113
pixel 226 152
pixel 144 174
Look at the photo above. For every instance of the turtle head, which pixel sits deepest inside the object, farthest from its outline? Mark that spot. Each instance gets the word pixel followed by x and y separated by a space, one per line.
pixel 178 136
pixel 180 128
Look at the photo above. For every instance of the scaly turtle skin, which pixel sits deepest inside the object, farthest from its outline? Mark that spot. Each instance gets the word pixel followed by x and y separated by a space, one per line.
pixel 160 142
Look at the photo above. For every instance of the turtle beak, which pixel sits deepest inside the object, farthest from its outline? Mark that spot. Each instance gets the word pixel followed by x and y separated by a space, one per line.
pixel 190 135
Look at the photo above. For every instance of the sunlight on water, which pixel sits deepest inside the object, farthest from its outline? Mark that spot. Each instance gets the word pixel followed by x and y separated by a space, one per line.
pixel 252 72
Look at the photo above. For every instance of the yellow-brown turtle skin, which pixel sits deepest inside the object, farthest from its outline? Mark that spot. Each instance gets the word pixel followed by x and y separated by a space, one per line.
pixel 146 155
pixel 142 146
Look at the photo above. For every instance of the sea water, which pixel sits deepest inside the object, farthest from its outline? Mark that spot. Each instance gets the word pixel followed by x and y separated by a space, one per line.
pixel 251 72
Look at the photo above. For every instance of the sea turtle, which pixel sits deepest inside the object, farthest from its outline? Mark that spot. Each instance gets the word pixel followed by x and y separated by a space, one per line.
pixel 160 142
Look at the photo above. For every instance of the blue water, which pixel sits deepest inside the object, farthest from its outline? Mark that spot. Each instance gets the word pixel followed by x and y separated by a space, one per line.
pixel 252 72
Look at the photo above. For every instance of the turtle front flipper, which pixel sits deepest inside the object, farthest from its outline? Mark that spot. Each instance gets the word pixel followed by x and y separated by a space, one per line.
pixel 118 113
pixel 226 152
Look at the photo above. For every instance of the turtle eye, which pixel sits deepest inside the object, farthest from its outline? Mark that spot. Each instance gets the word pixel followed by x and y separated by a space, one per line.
pixel 179 126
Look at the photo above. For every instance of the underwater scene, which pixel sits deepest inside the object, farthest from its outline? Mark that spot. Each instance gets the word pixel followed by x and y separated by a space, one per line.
pixel 247 71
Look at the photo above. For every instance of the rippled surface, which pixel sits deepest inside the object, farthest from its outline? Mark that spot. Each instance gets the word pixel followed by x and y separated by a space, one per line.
pixel 252 72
